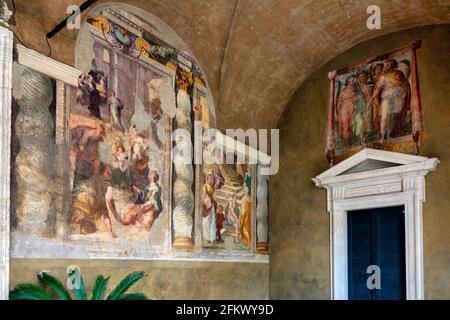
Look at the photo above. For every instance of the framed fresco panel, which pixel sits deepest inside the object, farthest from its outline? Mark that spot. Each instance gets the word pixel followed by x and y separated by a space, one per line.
pixel 228 208
pixel 119 141
pixel 105 190
pixel 376 104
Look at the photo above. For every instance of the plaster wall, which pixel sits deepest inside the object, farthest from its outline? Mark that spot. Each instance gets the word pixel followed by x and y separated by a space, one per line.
pixel 299 265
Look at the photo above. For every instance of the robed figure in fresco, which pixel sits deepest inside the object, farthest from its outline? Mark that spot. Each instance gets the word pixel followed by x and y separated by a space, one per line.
pixel 87 207
pixel 245 219
pixel 363 116
pixel 115 109
pixel 220 219
pixel 91 91
pixel 346 108
pixel 218 178
pixel 391 101
pixel 118 172
pixel 209 211
pixel 232 218
pixel 145 214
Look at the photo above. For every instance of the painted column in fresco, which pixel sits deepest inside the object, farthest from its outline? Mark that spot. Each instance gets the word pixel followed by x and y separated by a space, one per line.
pixel 115 72
pixel 34 163
pixel 183 197
pixel 198 167
pixel 262 213
pixel 6 50
pixel 62 194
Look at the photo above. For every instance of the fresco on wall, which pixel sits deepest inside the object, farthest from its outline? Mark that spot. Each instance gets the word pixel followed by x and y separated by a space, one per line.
pixel 376 104
pixel 227 207
pixel 118 37
pixel 93 174
pixel 136 46
pixel 117 151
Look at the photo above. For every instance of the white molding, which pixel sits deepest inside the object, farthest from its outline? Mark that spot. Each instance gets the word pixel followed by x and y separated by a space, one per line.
pixel 401 170
pixel 6 60
pixel 334 174
pixel 52 68
pixel 403 184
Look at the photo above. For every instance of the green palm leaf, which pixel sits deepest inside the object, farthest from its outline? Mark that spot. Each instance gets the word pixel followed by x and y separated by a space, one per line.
pixel 55 286
pixel 125 284
pixel 98 292
pixel 133 296
pixel 29 291
pixel 78 288
pixel 75 282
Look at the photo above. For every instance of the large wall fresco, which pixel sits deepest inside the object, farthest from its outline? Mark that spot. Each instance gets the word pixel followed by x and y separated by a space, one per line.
pixel 118 142
pixel 376 104
pixel 93 170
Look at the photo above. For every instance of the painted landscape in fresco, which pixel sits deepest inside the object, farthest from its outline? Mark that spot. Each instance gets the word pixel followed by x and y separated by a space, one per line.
pixel 227 207
pixel 117 151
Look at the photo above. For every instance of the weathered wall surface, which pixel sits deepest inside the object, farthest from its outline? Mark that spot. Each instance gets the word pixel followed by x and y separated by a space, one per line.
pixel 165 279
pixel 299 223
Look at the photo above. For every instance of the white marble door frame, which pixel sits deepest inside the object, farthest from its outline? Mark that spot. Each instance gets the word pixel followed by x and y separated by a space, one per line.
pixel 400 182
pixel 413 241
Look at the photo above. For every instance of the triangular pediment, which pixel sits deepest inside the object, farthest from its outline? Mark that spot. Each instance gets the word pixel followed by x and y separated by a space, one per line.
pixel 369 165
pixel 369 160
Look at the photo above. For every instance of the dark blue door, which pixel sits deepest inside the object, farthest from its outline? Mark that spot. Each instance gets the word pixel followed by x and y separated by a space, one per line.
pixel 376 237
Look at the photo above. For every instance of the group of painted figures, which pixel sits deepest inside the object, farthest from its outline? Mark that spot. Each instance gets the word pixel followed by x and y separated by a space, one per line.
pixel 374 105
pixel 117 182
pixel 236 214
pixel 91 93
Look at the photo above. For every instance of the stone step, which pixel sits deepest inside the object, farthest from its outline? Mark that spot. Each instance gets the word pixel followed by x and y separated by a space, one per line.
pixel 231 187
pixel 230 174
pixel 226 194
pixel 227 197
pixel 226 170
pixel 223 194
pixel 232 182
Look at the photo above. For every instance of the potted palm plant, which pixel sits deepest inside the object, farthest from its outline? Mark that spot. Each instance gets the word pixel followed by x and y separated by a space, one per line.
pixel 51 288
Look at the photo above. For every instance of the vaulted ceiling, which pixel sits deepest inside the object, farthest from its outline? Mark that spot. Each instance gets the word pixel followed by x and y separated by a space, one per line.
pixel 255 53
